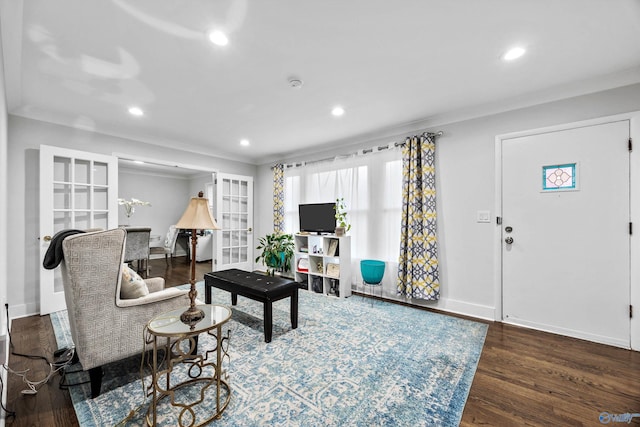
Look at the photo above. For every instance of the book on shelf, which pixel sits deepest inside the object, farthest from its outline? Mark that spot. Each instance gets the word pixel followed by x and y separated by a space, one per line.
pixel 333 270
pixel 333 247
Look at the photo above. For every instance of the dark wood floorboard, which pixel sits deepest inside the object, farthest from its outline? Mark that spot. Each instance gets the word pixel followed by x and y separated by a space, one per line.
pixel 524 377
pixel 533 378
pixel 177 271
pixel 50 406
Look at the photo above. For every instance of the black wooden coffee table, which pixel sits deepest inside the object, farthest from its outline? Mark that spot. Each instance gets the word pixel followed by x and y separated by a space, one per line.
pixel 258 287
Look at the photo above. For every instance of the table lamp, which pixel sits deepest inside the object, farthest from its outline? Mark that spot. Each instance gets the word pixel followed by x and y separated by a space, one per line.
pixel 197 216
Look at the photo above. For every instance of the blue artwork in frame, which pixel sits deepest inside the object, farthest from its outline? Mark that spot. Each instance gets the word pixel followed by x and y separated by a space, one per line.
pixel 559 177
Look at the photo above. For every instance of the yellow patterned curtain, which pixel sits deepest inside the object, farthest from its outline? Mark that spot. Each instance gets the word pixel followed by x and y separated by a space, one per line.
pixel 278 198
pixel 418 262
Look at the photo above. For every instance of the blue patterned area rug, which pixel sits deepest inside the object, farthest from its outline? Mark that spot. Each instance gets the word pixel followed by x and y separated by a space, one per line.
pixel 349 362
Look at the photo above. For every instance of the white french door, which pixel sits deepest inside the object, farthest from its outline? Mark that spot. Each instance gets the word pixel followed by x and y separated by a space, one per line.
pixel 234 207
pixel 78 190
pixel 565 232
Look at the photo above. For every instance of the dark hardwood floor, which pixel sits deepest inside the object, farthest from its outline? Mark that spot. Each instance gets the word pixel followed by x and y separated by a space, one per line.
pixel 524 377
pixel 527 377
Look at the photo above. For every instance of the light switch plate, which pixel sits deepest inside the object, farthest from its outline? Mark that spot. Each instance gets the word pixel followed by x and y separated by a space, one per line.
pixel 484 216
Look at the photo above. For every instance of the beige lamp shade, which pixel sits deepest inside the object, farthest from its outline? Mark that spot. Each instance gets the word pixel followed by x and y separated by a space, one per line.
pixel 197 216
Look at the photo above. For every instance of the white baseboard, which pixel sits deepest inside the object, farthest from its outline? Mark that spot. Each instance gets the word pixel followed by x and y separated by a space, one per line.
pixel 568 332
pixel 448 305
pixel 177 254
pixel 23 310
pixel 466 309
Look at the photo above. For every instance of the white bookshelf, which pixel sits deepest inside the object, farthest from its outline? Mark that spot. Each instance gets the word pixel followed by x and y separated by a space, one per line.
pixel 328 258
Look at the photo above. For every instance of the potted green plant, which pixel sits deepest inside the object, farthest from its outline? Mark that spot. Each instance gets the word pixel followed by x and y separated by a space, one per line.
pixel 277 252
pixel 342 226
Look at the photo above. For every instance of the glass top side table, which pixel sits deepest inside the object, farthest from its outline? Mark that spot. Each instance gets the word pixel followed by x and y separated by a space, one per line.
pixel 177 363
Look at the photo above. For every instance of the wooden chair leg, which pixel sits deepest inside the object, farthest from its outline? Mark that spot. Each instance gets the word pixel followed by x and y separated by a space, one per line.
pixel 95 375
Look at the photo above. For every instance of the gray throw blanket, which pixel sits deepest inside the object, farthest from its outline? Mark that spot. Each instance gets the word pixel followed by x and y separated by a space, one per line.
pixel 54 254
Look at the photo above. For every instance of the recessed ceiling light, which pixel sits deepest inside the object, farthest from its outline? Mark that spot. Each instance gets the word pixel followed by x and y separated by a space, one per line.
pixel 244 142
pixel 136 111
pixel 218 38
pixel 514 53
pixel 337 111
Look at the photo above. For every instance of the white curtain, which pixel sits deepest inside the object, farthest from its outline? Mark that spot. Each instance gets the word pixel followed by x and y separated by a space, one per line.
pixel 371 186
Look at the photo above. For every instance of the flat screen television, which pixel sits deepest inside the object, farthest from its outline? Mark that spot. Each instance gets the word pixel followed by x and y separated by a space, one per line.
pixel 317 217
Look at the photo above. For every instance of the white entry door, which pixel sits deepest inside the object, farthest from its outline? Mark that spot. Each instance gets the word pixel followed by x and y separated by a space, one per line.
pixel 78 190
pixel 565 232
pixel 234 207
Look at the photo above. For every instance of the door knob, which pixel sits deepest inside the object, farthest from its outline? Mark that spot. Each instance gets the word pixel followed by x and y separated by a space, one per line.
pixel 47 238
pixel 509 240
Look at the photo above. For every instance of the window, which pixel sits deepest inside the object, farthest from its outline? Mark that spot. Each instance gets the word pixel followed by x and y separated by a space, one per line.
pixel 559 177
pixel 371 186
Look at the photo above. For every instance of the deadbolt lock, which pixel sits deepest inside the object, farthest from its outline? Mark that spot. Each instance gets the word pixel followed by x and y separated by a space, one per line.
pixel 508 229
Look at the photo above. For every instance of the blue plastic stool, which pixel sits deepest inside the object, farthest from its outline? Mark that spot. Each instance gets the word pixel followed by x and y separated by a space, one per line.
pixel 372 274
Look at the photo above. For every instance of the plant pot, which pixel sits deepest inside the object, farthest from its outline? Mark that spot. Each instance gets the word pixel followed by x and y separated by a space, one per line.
pixel 340 231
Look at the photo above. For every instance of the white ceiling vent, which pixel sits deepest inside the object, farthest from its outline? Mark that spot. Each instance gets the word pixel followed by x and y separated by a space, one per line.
pixel 295 83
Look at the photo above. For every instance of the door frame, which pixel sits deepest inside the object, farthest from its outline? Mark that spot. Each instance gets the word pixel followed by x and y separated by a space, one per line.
pixel 152 160
pixel 168 163
pixel 634 206
pixel 220 176
pixel 51 300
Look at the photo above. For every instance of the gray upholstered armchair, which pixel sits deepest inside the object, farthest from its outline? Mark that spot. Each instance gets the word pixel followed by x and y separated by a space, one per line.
pixel 104 327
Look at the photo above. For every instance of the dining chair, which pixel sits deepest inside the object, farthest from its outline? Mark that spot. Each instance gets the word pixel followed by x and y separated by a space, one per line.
pixel 169 247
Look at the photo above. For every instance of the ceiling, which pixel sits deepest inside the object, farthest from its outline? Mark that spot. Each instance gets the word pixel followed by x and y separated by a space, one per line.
pixel 83 63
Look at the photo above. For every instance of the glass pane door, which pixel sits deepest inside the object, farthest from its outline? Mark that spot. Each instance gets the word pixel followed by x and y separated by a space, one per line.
pixel 235 209
pixel 78 190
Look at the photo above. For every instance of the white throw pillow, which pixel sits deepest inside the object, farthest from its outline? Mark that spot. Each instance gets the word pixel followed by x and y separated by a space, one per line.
pixel 132 286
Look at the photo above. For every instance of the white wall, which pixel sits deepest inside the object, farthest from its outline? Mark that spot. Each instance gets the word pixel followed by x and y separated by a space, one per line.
pixel 168 195
pixel 4 207
pixel 24 139
pixel 198 183
pixel 465 184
